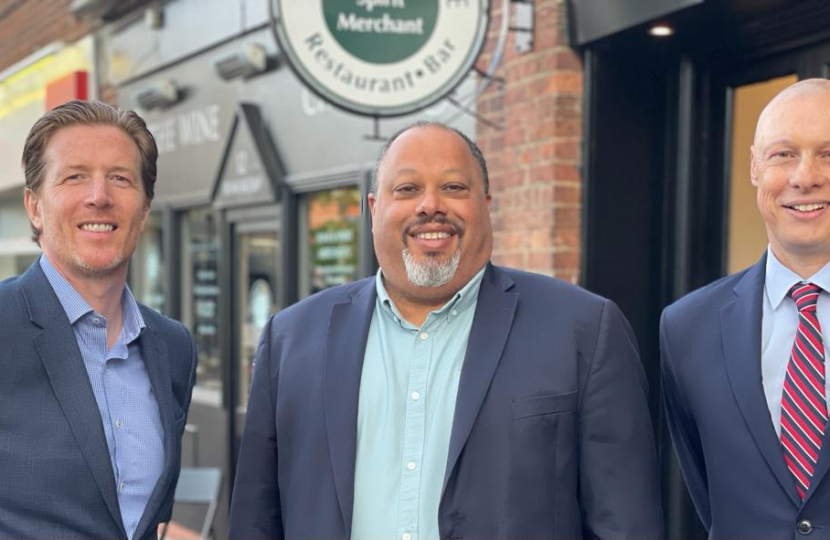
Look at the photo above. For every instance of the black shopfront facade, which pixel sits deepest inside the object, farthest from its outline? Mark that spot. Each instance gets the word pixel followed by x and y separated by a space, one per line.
pixel 668 122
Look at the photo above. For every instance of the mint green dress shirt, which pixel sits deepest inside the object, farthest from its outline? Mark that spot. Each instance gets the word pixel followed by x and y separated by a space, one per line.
pixel 405 412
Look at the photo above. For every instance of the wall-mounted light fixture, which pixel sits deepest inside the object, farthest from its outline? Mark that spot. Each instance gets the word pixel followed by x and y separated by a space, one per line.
pixel 158 94
pixel 661 30
pixel 523 25
pixel 250 60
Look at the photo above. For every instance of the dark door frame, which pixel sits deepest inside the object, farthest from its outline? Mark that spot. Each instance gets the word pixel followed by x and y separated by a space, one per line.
pixel 656 145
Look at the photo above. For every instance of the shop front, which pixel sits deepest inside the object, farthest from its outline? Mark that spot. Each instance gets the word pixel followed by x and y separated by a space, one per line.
pixel 674 89
pixel 260 202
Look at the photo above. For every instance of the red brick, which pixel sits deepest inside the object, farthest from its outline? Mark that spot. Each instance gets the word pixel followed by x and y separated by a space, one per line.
pixel 567 194
pixel 33 25
pixel 567 217
pixel 515 136
pixel 566 260
pixel 537 183
pixel 567 173
pixel 566 150
pixel 542 262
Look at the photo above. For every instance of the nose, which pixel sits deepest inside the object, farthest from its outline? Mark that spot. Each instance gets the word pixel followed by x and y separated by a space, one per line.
pixel 809 174
pixel 99 193
pixel 431 203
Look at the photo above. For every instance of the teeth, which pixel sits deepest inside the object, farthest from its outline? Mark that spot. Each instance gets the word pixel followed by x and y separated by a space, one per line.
pixel 97 227
pixel 433 235
pixel 807 207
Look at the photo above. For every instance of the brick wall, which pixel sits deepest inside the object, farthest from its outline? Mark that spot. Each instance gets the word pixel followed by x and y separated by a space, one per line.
pixel 534 160
pixel 29 25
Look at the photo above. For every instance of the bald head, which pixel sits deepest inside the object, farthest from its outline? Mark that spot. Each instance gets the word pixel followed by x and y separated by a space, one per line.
pixel 808 89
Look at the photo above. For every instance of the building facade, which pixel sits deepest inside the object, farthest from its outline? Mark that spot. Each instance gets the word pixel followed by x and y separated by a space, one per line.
pixel 618 157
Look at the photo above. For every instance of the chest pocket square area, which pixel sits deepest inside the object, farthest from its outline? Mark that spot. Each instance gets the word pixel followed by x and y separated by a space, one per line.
pixel 542 405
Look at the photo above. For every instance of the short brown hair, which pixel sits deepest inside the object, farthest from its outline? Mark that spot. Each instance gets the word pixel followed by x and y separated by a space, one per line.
pixel 89 113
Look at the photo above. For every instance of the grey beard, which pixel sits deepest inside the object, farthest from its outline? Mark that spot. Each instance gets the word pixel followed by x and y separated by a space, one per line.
pixel 432 273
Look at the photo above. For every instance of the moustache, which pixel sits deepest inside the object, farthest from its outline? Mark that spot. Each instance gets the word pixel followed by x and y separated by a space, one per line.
pixel 456 227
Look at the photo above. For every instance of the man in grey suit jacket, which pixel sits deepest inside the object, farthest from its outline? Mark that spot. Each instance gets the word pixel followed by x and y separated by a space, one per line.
pixel 446 397
pixel 745 387
pixel 94 388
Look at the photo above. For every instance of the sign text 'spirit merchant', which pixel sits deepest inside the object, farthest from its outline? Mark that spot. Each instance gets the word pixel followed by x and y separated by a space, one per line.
pixel 382 57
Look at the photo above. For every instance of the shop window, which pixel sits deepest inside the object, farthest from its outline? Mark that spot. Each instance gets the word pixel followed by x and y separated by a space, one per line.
pixel 200 299
pixel 329 226
pixel 147 266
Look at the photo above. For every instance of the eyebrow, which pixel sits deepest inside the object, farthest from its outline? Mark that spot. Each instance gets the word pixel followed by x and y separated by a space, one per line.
pixel 116 168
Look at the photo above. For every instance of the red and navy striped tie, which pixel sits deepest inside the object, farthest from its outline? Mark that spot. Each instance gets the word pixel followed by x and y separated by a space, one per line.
pixel 803 404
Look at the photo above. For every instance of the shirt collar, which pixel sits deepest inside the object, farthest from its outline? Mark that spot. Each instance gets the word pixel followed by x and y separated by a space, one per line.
pixel 464 299
pixel 780 279
pixel 76 307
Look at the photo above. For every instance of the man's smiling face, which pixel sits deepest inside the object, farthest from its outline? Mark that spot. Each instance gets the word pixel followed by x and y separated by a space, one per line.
pixel 430 214
pixel 91 206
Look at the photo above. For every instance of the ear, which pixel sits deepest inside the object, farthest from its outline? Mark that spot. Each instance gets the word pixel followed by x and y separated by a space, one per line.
pixel 32 204
pixel 753 173
pixel 146 215
pixel 372 199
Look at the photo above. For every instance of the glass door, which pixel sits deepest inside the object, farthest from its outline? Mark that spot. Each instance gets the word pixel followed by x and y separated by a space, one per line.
pixel 256 265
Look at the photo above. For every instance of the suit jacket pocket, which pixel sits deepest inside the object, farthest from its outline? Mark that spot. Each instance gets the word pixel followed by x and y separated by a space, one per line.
pixel 541 405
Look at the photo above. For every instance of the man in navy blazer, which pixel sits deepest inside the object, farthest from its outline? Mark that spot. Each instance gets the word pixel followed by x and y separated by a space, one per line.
pixel 733 385
pixel 94 388
pixel 527 419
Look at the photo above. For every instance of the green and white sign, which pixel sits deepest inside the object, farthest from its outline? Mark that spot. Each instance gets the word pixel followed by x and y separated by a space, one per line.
pixel 382 57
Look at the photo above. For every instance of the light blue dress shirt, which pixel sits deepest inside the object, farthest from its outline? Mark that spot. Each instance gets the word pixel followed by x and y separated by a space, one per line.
pixel 407 401
pixel 778 326
pixel 128 407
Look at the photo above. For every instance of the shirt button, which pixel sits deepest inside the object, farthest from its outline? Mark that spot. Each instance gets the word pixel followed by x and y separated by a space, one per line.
pixel 406 536
pixel 118 424
pixel 423 336
pixel 411 465
pixel 416 395
pixel 121 487
pixel 454 312
pixel 96 320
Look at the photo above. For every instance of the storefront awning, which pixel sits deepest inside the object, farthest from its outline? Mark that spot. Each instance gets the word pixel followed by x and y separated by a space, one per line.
pixel 596 19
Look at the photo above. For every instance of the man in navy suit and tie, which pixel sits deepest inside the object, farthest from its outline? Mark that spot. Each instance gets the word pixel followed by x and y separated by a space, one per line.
pixel 446 397
pixel 744 358
pixel 94 387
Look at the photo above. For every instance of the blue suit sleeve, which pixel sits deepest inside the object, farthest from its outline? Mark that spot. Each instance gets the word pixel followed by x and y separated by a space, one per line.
pixel 619 487
pixel 255 503
pixel 683 430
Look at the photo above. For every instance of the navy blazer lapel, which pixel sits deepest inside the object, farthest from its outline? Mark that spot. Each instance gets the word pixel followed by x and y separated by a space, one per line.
pixel 488 335
pixel 64 366
pixel 741 333
pixel 346 338
pixel 821 468
pixel 155 356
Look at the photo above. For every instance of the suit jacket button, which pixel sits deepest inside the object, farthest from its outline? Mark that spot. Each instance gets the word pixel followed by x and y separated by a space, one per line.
pixel 804 526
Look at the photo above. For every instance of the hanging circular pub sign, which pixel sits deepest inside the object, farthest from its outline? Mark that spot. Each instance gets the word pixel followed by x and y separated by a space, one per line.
pixel 382 57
